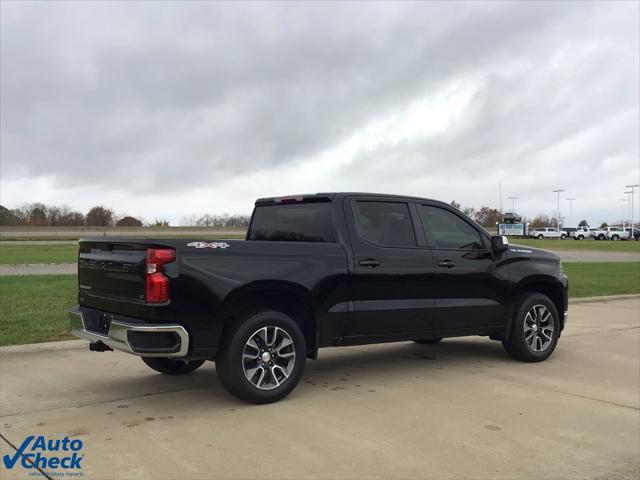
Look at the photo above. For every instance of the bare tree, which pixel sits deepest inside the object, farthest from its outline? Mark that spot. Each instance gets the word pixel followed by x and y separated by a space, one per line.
pixel 128 222
pixel 99 217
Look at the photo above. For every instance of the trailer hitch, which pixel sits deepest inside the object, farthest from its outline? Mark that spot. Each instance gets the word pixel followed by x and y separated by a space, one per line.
pixel 100 347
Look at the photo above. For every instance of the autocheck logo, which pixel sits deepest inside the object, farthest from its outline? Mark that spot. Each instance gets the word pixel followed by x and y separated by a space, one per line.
pixel 38 452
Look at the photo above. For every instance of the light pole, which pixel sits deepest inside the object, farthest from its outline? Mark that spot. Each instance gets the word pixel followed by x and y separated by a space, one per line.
pixel 624 209
pixel 558 211
pixel 571 200
pixel 630 203
pixel 513 204
pixel 632 187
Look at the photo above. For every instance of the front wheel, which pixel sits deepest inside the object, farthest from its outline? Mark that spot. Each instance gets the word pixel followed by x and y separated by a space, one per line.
pixel 540 237
pixel 428 341
pixel 563 236
pixel 535 329
pixel 601 237
pixel 172 366
pixel 615 238
pixel 580 237
pixel 262 357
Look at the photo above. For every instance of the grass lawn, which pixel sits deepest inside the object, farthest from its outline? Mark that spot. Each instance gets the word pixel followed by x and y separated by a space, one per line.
pixel 14 254
pixel 606 278
pixel 570 244
pixel 34 308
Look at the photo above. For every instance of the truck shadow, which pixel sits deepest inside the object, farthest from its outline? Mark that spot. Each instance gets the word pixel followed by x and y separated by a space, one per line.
pixel 336 369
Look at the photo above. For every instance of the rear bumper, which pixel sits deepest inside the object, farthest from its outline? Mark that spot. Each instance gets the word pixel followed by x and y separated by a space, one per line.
pixel 148 340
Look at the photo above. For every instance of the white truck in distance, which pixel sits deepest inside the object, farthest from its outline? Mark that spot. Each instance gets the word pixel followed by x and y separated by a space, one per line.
pixel 616 233
pixel 548 232
pixel 581 233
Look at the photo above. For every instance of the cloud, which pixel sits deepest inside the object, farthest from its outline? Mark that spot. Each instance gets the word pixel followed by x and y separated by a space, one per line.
pixel 164 109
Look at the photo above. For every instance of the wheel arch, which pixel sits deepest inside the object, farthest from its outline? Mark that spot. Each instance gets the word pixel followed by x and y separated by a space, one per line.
pixel 287 297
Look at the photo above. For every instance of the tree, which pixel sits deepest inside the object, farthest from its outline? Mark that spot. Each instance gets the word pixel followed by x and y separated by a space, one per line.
pixel 9 217
pixel 540 221
pixel 37 214
pixel 604 225
pixel 99 217
pixel 455 204
pixel 159 223
pixel 583 223
pixel 128 222
pixel 468 211
pixel 487 217
pixel 72 219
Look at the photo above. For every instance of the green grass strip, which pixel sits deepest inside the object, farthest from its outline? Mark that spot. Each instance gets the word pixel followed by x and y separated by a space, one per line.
pixel 33 309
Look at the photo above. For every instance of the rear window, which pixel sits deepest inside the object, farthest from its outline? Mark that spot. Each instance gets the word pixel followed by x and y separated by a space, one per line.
pixel 298 222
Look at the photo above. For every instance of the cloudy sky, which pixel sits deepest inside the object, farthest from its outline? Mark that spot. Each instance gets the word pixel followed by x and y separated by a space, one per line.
pixel 166 109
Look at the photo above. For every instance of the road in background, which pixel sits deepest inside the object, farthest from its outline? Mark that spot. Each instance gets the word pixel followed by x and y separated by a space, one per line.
pixel 461 409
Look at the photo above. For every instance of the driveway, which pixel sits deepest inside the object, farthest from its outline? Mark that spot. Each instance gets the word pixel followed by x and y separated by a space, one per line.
pixel 460 409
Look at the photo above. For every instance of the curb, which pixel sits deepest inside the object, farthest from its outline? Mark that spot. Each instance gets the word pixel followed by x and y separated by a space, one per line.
pixel 45 347
pixel 604 298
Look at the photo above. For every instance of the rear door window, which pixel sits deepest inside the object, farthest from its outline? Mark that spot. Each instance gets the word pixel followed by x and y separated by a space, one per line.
pixel 385 223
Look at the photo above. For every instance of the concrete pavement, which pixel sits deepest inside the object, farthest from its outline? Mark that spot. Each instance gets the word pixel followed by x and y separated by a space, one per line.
pixel 39 269
pixel 460 409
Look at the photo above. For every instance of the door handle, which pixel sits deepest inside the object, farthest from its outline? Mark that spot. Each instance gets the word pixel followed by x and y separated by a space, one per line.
pixel 369 262
pixel 446 263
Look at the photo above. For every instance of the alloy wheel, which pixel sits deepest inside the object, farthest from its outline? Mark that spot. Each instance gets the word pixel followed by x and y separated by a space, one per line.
pixel 538 328
pixel 268 357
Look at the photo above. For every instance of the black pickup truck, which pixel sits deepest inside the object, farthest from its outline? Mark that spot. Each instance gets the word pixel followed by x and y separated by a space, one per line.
pixel 316 271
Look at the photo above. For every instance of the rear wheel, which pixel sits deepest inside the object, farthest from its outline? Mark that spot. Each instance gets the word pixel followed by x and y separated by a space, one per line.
pixel 262 357
pixel 535 329
pixel 580 237
pixel 563 236
pixel 428 341
pixel 172 366
pixel 615 238
pixel 601 237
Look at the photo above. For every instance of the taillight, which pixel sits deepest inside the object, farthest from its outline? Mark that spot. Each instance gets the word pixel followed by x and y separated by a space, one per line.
pixel 157 284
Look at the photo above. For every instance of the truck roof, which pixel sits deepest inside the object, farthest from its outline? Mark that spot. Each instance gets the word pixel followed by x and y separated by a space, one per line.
pixel 330 196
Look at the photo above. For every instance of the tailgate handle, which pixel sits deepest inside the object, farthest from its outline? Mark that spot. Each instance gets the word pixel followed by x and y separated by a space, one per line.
pixel 446 263
pixel 369 262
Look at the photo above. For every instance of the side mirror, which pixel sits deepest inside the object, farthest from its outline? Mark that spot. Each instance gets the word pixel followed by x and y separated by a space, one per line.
pixel 499 243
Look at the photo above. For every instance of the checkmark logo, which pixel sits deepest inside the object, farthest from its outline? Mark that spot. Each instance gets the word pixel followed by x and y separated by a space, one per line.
pixel 10 462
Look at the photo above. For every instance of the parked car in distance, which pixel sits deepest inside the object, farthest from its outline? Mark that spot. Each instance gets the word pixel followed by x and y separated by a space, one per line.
pixel 510 217
pixel 616 233
pixel 598 233
pixel 569 230
pixel 548 232
pixel 581 233
pixel 319 270
pixel 633 234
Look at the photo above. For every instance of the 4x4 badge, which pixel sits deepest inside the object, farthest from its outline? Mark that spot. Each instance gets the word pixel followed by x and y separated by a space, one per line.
pixel 208 244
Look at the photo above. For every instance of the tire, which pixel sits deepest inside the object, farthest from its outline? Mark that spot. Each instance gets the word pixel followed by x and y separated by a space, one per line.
pixel 580 237
pixel 615 238
pixel 540 237
pixel 261 379
pixel 601 237
pixel 172 366
pixel 563 236
pixel 533 309
pixel 428 341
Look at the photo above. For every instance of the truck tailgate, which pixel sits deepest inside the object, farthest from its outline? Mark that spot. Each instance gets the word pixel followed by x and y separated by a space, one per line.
pixel 112 270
